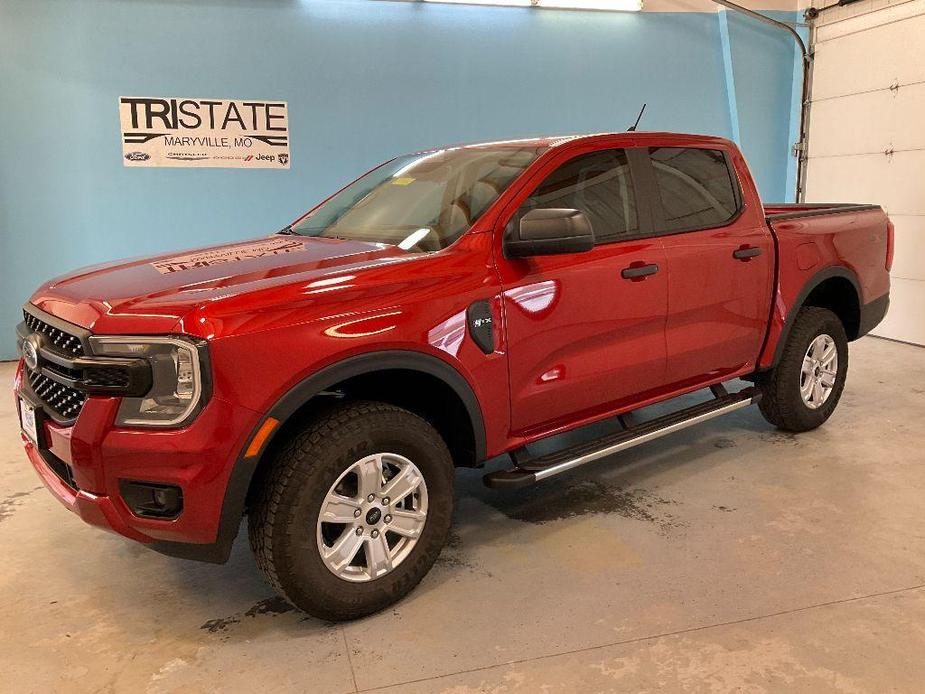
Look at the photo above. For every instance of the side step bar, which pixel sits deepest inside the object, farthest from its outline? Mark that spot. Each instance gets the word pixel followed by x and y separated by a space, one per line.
pixel 529 471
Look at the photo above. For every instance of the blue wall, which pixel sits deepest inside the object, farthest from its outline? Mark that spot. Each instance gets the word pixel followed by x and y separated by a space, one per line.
pixel 364 81
pixel 767 98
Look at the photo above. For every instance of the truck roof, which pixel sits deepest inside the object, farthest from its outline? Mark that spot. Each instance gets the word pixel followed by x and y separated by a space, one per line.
pixel 551 141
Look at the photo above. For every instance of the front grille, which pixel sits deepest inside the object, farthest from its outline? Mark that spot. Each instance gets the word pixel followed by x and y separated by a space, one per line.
pixel 63 370
pixel 67 343
pixel 106 377
pixel 60 401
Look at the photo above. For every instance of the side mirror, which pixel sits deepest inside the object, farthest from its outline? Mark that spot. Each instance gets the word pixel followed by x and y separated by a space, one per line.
pixel 549 232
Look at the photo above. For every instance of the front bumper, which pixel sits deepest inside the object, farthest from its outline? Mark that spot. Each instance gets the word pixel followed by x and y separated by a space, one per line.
pixel 93 509
pixel 82 464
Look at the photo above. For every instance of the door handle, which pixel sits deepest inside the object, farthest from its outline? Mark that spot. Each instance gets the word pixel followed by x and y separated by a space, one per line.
pixel 637 272
pixel 746 252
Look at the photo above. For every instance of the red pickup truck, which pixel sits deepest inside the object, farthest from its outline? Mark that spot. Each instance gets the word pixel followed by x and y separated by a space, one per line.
pixel 445 308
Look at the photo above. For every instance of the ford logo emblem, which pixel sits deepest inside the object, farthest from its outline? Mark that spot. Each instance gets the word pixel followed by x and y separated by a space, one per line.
pixel 30 352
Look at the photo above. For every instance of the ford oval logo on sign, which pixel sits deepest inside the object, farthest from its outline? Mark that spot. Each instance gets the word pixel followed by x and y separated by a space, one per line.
pixel 30 353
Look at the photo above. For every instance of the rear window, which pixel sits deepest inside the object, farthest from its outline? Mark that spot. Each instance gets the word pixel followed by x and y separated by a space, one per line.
pixel 697 187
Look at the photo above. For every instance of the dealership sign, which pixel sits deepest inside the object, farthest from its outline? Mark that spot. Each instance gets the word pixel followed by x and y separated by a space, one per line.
pixel 240 134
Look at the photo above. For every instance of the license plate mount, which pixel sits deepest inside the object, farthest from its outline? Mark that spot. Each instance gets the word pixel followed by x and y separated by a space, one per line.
pixel 29 421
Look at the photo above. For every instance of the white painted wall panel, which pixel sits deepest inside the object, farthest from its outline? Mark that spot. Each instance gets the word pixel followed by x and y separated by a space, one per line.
pixel 909 260
pixel 868 98
pixel 907 306
pixel 863 59
pixel 869 122
pixel 896 182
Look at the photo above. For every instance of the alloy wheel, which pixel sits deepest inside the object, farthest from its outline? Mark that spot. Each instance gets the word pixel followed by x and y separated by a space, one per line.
pixel 372 517
pixel 819 372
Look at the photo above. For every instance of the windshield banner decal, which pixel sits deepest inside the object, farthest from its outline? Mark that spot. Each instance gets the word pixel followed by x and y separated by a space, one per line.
pixel 231 133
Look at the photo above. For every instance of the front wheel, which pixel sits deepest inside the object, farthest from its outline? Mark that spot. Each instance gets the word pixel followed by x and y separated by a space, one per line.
pixel 355 510
pixel 802 391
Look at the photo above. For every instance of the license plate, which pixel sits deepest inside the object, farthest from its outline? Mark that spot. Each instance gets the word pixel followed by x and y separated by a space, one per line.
pixel 27 420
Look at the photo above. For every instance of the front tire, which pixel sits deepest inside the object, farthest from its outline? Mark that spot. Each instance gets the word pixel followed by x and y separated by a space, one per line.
pixel 803 390
pixel 355 510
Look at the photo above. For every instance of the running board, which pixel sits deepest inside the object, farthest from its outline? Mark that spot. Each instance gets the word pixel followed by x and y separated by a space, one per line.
pixel 528 471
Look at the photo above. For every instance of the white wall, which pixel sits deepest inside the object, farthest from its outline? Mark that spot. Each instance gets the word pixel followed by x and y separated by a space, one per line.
pixel 867 134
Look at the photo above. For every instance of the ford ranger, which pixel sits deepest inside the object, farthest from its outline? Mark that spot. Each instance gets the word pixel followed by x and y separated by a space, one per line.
pixel 447 307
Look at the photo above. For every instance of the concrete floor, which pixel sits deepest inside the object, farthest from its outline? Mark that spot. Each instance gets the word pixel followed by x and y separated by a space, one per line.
pixel 730 557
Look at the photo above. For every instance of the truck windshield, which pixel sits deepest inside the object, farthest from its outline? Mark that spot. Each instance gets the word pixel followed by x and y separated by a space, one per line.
pixel 421 202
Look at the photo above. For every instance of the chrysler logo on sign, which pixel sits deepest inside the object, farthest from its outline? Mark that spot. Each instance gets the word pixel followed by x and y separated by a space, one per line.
pixel 175 131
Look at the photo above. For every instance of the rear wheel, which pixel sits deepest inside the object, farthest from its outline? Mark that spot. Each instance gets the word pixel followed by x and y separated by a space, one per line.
pixel 803 390
pixel 355 510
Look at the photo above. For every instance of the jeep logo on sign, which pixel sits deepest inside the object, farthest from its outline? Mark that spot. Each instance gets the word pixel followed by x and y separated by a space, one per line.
pixel 283 159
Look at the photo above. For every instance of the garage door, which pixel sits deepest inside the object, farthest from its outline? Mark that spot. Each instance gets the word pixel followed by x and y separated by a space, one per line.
pixel 867 134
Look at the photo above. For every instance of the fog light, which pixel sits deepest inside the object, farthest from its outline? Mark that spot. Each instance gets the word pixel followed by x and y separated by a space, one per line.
pixel 150 500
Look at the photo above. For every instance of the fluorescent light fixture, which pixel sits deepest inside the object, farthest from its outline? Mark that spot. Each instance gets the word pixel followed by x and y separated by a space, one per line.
pixel 611 5
pixel 605 5
pixel 502 3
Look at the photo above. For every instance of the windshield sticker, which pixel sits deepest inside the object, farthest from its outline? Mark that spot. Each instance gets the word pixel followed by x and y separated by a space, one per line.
pixel 229 254
pixel 403 181
pixel 229 133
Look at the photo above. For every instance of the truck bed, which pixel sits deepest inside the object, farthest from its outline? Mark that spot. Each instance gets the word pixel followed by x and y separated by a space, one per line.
pixel 782 210
pixel 824 241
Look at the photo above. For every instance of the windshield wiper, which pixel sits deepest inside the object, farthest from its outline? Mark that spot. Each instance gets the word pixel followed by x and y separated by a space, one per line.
pixel 288 231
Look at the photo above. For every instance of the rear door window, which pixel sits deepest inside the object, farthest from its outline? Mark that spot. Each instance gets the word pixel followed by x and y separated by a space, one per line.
pixel 697 187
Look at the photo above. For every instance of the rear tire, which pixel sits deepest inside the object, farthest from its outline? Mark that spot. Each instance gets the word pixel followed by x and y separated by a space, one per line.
pixel 355 563
pixel 803 390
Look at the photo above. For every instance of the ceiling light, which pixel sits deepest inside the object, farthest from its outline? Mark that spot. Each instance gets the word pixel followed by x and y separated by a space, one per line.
pixel 612 5
pixel 607 5
pixel 508 3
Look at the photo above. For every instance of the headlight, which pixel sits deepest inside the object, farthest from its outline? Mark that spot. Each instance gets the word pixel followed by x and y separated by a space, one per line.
pixel 177 378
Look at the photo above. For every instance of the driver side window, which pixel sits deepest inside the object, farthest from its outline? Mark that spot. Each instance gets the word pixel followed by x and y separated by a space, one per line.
pixel 600 185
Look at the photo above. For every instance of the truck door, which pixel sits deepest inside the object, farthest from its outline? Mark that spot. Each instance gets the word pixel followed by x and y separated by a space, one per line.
pixel 720 256
pixel 585 331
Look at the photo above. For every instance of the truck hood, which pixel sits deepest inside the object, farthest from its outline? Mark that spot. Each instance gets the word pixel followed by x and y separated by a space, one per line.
pixel 156 292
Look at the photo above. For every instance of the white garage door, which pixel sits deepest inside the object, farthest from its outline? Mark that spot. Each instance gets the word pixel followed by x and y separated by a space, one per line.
pixel 867 134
